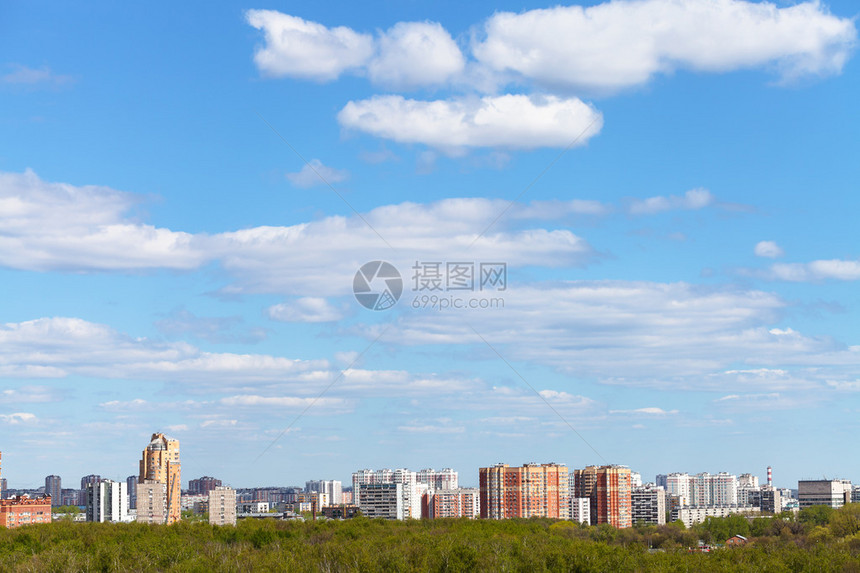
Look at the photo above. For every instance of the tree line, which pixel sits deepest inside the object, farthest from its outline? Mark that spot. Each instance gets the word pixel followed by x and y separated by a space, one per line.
pixel 818 538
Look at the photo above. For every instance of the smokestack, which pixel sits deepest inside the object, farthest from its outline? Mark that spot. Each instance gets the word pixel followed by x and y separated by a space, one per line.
pixel 769 476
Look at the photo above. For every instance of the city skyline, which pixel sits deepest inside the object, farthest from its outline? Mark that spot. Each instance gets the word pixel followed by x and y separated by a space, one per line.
pixel 651 230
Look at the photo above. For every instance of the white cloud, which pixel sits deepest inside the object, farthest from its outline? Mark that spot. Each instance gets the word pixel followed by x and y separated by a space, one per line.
pixel 692 200
pixel 815 271
pixel 298 48
pixel 73 346
pixel 673 335
pixel 413 54
pixel 648 411
pixel 63 227
pixel 624 43
pixel 24 75
pixel 305 309
pixel 768 249
pixel 292 402
pixel 18 418
pixel 57 226
pixel 315 173
pixel 219 423
pixel 510 121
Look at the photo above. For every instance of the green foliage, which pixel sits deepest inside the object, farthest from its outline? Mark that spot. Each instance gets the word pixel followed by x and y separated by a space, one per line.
pixel 361 544
pixel 816 515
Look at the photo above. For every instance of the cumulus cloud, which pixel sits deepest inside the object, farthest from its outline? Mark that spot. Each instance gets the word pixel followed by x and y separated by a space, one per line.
pixel 315 173
pixel 18 418
pixel 648 411
pixel 408 55
pixel 671 335
pixel 692 200
pixel 305 309
pixel 816 271
pixel 413 54
pixel 298 48
pixel 624 43
pixel 511 121
pixel 58 226
pixel 768 249
pixel 72 346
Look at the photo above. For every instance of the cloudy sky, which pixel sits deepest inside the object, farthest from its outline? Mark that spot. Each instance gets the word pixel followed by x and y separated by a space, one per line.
pixel 670 187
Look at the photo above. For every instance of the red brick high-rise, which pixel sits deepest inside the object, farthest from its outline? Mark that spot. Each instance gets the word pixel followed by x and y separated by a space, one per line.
pixel 609 489
pixel 532 490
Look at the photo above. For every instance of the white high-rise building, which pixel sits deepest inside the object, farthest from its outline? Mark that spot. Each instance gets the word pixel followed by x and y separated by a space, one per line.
pixel 383 500
pixel 333 488
pixel 444 479
pixel 411 491
pixel 748 481
pixel 701 490
pixel 580 509
pixel 107 501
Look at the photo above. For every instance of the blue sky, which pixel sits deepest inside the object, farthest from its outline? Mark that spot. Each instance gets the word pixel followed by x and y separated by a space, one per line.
pixel 187 192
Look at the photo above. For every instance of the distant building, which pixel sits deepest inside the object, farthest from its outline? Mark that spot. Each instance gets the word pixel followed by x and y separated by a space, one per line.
pixel 855 494
pixel 443 479
pixel 608 488
pixel 460 502
pixel 649 504
pixel 24 510
pixel 254 507
pixel 334 489
pixel 203 485
pixel 342 511
pixel 107 501
pixel 411 491
pixel 383 500
pixel 70 496
pixel 160 464
pixel 531 490
pixel 834 493
pixel 748 481
pixel 580 510
pixel 131 486
pixel 87 480
pixel 54 488
pixel 702 489
pixel 736 541
pixel 693 515
pixel 151 502
pixel 222 506
pixel 770 500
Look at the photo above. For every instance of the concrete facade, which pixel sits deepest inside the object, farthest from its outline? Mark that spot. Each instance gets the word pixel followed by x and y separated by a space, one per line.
pixel 222 506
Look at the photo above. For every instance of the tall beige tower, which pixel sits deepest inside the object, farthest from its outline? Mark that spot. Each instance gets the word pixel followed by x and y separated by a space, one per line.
pixel 160 465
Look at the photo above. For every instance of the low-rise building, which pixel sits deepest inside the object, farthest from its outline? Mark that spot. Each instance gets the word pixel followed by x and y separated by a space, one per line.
pixel 693 515
pixel 24 510
pixel 835 492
